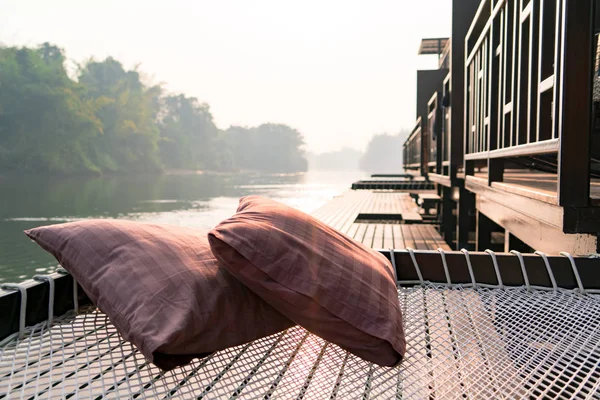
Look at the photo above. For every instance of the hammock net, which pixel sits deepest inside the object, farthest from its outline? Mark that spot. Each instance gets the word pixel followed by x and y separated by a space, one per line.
pixel 462 342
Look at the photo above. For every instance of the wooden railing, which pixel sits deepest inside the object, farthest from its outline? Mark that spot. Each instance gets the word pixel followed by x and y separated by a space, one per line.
pixel 434 133
pixel 528 74
pixel 444 104
pixel 438 131
pixel 413 148
pixel 514 75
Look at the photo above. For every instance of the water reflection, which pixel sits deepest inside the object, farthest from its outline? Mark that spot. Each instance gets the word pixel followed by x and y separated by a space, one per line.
pixel 192 200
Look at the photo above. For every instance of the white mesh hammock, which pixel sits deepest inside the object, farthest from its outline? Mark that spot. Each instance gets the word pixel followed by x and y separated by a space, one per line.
pixel 463 341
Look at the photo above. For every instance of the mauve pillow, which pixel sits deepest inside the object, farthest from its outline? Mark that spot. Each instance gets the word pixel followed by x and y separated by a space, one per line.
pixel 319 278
pixel 161 287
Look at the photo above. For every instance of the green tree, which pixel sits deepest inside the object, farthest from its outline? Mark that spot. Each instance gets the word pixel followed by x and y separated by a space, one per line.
pixel 383 154
pixel 128 111
pixel 240 141
pixel 188 134
pixel 108 120
pixel 279 148
pixel 45 123
pixel 268 147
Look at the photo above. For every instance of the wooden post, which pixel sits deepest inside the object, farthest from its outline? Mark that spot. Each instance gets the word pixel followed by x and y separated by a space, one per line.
pixel 574 96
pixel 463 12
pixel 495 165
pixel 448 226
pixel 425 148
pixel 466 206
pixel 439 158
pixel 485 227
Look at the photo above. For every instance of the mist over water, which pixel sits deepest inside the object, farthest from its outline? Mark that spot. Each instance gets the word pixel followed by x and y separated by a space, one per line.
pixel 197 201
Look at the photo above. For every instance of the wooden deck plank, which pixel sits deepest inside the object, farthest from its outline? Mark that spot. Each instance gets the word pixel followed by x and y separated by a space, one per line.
pixel 361 204
pixel 536 184
pixel 369 234
pixel 369 203
pixel 388 237
pixel 411 216
pixel 398 237
pixel 378 236
pixel 410 209
pixel 431 236
pixel 353 229
pixel 360 232
pixel 420 243
pixel 429 196
pixel 342 212
pixel 439 240
pixel 408 237
pixel 377 203
pixel 426 239
pixel 347 224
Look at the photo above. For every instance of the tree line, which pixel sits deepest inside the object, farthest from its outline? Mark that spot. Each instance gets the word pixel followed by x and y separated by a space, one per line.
pixel 383 155
pixel 107 120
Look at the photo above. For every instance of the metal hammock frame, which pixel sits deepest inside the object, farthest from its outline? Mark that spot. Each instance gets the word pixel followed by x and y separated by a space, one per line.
pixel 473 330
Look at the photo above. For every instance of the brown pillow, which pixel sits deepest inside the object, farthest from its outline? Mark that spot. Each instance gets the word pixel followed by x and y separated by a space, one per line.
pixel 161 287
pixel 319 278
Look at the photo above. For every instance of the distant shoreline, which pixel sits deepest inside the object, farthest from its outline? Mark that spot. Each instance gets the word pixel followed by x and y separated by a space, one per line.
pixel 166 172
pixel 240 171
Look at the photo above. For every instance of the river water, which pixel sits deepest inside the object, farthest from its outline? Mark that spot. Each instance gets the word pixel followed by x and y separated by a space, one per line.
pixel 192 200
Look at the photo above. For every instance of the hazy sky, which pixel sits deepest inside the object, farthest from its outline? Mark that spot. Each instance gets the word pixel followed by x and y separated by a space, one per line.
pixel 337 70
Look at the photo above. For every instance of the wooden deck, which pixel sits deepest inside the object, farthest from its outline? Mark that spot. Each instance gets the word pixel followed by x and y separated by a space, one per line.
pixel 400 184
pixel 381 220
pixel 537 185
pixel 525 204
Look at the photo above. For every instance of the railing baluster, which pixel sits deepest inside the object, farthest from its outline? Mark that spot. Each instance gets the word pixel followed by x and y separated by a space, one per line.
pixel 513 73
pixel 557 67
pixel 520 97
pixel 534 39
pixel 477 102
pixel 506 55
